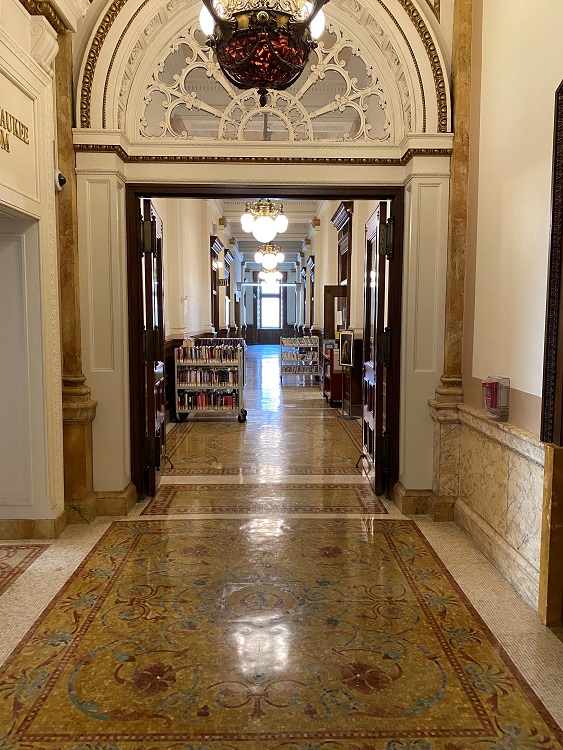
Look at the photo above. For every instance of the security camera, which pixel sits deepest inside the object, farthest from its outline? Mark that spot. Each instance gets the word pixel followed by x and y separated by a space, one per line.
pixel 60 180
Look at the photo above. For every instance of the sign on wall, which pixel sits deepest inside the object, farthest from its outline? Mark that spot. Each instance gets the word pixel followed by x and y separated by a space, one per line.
pixel 10 125
pixel 18 149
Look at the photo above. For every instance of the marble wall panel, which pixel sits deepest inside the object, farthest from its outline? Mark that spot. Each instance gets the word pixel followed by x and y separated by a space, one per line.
pixel 524 507
pixel 501 475
pixel 483 477
pixel 447 456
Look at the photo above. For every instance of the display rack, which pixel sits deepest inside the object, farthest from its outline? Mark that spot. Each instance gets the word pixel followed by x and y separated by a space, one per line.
pixel 332 373
pixel 209 377
pixel 299 356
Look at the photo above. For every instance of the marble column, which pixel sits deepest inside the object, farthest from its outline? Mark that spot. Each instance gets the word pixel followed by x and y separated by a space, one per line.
pixel 79 408
pixel 451 390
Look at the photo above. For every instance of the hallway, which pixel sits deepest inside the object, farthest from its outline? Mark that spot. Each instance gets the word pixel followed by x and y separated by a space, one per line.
pixel 266 600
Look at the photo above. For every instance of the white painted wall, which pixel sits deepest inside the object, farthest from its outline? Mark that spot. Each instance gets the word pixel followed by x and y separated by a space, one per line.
pixel 522 68
pixel 31 441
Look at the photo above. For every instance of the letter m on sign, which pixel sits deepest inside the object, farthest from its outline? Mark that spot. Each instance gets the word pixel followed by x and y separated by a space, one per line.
pixel 4 141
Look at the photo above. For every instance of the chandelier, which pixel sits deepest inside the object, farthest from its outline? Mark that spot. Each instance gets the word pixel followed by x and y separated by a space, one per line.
pixel 264 219
pixel 272 276
pixel 262 44
pixel 269 256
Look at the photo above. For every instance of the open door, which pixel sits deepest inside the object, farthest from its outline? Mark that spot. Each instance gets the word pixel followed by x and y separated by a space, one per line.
pixel 146 315
pixel 382 321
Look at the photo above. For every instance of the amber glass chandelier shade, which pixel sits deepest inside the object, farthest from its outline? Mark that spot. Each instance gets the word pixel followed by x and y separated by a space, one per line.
pixel 271 59
pixel 262 44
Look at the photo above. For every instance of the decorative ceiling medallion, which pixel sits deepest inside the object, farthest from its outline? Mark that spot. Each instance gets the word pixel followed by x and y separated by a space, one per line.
pixel 113 11
pixel 339 98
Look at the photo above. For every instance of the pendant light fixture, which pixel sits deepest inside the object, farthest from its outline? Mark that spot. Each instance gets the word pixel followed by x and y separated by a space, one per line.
pixel 269 256
pixel 262 44
pixel 264 218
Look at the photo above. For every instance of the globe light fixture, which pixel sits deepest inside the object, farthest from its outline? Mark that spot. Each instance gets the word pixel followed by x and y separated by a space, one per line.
pixel 269 256
pixel 270 277
pixel 262 44
pixel 264 218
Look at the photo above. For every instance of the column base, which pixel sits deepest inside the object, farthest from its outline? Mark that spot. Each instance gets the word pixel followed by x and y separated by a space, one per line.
pixel 78 413
pixel 116 503
pixel 441 507
pixel 83 512
pixel 33 528
pixel 411 502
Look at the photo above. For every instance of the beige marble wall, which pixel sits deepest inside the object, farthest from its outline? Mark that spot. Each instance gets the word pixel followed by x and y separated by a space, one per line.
pixel 501 473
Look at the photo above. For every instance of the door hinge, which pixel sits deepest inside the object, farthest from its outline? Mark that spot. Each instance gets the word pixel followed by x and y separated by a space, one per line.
pixel 152 452
pixel 151 345
pixel 384 347
pixel 383 444
pixel 148 236
pixel 386 237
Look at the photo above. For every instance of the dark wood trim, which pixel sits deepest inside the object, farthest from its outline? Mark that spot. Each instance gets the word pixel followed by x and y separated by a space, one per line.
pixel 395 316
pixel 201 190
pixel 552 399
pixel 343 214
pixel 135 310
pixel 136 191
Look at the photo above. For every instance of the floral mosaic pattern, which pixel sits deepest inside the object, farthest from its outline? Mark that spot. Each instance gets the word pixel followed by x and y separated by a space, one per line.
pixel 283 444
pixel 265 498
pixel 14 559
pixel 268 634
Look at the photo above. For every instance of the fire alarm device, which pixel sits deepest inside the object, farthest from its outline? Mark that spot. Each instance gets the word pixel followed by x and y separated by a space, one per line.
pixel 495 392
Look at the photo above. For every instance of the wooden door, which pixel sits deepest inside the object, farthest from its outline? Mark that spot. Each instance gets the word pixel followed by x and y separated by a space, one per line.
pixel 153 348
pixel 382 317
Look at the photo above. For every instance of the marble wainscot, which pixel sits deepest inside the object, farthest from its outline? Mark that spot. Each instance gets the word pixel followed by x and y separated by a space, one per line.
pixel 500 476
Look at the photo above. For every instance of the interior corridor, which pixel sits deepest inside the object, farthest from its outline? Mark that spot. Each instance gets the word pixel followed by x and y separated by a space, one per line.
pixel 265 599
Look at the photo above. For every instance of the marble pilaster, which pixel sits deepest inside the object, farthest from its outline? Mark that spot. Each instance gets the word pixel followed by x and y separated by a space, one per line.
pixel 78 407
pixel 446 456
pixel 550 599
pixel 451 390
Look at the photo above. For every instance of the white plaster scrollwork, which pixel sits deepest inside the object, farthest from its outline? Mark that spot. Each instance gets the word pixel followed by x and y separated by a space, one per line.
pixel 44 45
pixel 338 98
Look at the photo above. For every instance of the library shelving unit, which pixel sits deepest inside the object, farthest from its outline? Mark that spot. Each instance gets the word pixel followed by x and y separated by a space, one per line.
pixel 209 377
pixel 299 356
pixel 332 373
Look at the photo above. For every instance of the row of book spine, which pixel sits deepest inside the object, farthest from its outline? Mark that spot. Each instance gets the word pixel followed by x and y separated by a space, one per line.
pixel 302 341
pixel 207 377
pixel 299 357
pixel 204 353
pixel 207 401
pixel 216 342
pixel 300 368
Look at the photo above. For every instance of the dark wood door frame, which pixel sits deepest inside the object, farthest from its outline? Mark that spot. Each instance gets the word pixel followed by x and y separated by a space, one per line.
pixel 135 192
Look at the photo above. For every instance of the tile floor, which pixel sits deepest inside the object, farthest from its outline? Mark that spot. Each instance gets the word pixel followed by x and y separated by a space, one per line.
pixel 245 607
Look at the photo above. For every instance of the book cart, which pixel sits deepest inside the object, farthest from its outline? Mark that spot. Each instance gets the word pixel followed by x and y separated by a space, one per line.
pixel 209 377
pixel 299 356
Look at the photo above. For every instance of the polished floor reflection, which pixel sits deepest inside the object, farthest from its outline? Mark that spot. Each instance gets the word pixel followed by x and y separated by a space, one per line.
pixel 266 600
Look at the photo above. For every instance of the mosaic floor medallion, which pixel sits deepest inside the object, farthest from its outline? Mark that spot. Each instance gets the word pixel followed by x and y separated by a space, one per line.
pixel 14 559
pixel 264 498
pixel 265 634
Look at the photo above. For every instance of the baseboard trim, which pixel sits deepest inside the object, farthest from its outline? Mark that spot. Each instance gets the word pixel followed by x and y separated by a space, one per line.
pixel 116 503
pixel 509 562
pixel 33 528
pixel 411 502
